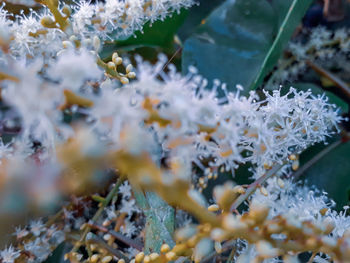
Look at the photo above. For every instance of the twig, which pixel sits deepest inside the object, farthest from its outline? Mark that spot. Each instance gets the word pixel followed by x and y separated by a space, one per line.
pixel 230 257
pixel 225 247
pixel 312 257
pixel 128 241
pixel 333 10
pixel 172 57
pixel 111 72
pixel 109 197
pixel 341 85
pixel 253 186
pixel 315 159
pixel 100 242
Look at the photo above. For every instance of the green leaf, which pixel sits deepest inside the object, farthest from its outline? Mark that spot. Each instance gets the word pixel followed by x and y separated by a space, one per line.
pixel 331 173
pixel 160 223
pixel 234 45
pixel 160 220
pixel 197 15
pixel 57 255
pixel 292 19
pixel 158 34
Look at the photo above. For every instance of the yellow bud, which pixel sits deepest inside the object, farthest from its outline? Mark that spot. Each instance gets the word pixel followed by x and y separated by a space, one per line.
pixel 96 42
pixel 114 57
pixel 124 80
pixel 295 165
pixel 118 61
pixel 128 68
pixel 280 182
pixel 111 65
pixel 263 191
pixel 131 75
pixel 164 248
pixel 292 157
pixel 66 10
pixel 121 261
pixel 170 256
pixel 258 212
pixel 154 256
pixel 323 211
pixel 93 247
pixel 266 250
pixel 67 44
pixel 94 258
pixel 107 237
pixel 106 259
pixel 48 22
pixel 106 223
pixel 139 257
pixel 147 259
pixel 213 208
pixel 239 189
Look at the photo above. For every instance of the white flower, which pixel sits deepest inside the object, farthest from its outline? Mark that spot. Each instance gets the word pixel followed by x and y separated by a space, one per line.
pixel 129 207
pixel 37 227
pixel 8 255
pixel 74 68
pixel 125 190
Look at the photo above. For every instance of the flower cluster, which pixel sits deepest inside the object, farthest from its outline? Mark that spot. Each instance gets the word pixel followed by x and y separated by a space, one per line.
pixel 75 121
pixel 327 47
pixel 45 32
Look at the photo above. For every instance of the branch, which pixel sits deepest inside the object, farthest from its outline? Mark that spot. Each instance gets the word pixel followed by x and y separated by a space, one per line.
pixel 104 203
pixel 315 159
pixel 253 186
pixel 128 241
pixel 341 85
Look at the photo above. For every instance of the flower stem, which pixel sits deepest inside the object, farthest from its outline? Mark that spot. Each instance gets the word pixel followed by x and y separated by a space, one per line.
pixel 253 186
pixel 104 203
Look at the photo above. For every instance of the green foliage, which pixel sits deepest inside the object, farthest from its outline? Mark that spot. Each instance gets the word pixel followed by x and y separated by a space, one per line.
pixel 295 13
pixel 240 36
pixel 160 221
pixel 57 255
pixel 331 172
pixel 159 34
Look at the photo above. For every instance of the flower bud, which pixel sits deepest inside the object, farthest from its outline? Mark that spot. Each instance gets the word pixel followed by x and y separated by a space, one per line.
pixel 114 57
pixel 164 248
pixel 94 258
pixel 131 75
pixel 96 43
pixel 170 256
pixel 139 257
pixel 266 250
pixel 202 249
pixel 118 61
pixel 213 208
pixel 106 259
pixel 66 10
pixel 111 65
pixel 124 80
pixel 218 247
pixel 128 68
pixel 48 22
